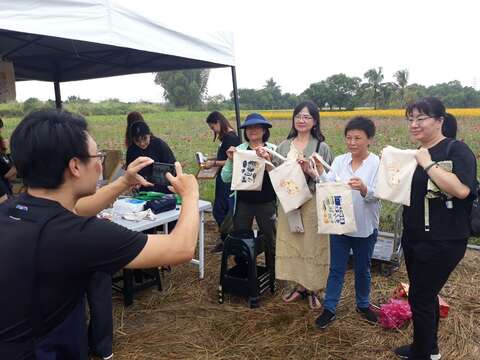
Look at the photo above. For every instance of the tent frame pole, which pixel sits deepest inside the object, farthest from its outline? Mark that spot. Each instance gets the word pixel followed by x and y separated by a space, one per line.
pixel 58 95
pixel 236 102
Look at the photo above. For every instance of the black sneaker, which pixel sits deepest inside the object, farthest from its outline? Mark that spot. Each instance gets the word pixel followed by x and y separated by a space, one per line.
pixel 218 249
pixel 367 314
pixel 325 319
pixel 403 352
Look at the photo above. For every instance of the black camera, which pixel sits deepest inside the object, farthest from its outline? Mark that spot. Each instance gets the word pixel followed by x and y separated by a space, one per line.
pixel 159 172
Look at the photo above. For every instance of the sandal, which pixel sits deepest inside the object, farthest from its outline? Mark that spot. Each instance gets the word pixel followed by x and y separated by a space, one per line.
pixel 294 295
pixel 313 300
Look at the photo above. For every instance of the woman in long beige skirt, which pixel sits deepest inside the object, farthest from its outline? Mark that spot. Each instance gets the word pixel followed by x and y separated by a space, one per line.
pixel 303 258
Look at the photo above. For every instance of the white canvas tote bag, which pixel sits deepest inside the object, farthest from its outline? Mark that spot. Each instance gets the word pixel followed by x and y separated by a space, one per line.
pixel 395 172
pixel 248 171
pixel 290 185
pixel 335 212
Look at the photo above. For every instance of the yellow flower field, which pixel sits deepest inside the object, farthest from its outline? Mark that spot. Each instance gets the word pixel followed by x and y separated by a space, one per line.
pixel 388 113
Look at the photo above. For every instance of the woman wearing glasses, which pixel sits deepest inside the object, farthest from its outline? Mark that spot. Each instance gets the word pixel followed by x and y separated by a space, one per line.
pixel 303 258
pixel 436 224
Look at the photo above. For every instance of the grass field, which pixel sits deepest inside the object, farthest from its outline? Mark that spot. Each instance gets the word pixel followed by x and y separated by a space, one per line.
pixel 186 133
pixel 185 321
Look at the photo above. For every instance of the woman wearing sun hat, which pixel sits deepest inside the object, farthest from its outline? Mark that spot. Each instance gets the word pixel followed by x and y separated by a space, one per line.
pixel 260 205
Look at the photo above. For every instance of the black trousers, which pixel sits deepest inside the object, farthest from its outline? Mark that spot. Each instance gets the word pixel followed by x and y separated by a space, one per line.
pixel 100 327
pixel 266 216
pixel 222 202
pixel 429 263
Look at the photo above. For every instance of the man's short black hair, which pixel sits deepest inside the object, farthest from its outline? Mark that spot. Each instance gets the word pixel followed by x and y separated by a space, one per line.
pixel 43 144
pixel 361 123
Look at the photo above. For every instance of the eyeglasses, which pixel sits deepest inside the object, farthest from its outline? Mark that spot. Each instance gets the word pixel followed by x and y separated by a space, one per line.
pixel 101 156
pixel 418 120
pixel 303 117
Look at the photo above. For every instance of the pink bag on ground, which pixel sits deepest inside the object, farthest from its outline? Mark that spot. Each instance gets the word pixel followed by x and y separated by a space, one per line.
pixel 394 314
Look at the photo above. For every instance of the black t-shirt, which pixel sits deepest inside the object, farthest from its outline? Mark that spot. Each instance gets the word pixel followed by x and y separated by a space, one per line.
pixel 5 166
pixel 445 224
pixel 229 139
pixel 71 249
pixel 159 151
pixel 267 193
pixel 3 189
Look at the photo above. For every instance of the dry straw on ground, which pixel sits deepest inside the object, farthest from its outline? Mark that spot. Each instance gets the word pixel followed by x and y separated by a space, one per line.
pixel 186 322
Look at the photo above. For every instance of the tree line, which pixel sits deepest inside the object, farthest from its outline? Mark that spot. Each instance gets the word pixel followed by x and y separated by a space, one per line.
pixel 339 91
pixel 187 89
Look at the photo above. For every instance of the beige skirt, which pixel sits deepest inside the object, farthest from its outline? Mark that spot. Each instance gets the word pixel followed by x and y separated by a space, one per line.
pixel 302 257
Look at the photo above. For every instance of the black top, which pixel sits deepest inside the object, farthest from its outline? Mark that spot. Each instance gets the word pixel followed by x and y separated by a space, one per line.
pixel 3 189
pixel 229 139
pixel 5 166
pixel 267 193
pixel 71 249
pixel 445 224
pixel 159 151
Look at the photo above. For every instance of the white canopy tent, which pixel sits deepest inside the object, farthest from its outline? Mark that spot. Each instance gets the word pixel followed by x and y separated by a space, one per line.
pixel 68 40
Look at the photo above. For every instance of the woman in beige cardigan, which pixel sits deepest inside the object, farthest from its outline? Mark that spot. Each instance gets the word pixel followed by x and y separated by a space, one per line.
pixel 303 258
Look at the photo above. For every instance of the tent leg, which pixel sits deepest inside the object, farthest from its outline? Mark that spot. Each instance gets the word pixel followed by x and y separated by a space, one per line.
pixel 235 101
pixel 58 96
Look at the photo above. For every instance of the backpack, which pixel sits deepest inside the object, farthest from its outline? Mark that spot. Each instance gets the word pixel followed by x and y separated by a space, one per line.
pixel 475 215
pixel 475 212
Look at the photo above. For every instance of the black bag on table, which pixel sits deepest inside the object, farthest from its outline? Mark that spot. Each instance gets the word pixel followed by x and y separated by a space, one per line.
pixel 166 203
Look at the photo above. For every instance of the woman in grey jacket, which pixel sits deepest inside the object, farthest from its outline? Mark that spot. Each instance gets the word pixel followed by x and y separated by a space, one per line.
pixel 303 257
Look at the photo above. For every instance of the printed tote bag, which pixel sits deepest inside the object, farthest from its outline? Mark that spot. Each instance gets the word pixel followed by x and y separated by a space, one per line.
pixel 395 173
pixel 248 171
pixel 290 185
pixel 335 212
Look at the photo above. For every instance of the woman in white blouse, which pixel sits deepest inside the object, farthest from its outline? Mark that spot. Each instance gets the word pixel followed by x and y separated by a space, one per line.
pixel 358 167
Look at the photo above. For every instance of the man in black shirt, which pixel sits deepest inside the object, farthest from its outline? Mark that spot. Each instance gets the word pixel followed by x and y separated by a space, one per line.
pixel 51 242
pixel 3 192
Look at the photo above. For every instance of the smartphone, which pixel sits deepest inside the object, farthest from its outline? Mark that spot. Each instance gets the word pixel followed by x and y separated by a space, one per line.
pixel 159 173
pixel 201 158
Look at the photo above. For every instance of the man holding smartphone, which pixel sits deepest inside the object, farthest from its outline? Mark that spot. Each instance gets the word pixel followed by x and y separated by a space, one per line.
pixel 52 242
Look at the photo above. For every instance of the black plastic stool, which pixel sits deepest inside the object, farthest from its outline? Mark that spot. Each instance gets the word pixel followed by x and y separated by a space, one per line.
pixel 136 280
pixel 246 278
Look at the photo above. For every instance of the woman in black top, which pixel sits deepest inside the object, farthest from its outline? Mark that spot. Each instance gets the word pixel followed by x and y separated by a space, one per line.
pixel 132 117
pixel 224 132
pixel 436 225
pixel 7 169
pixel 144 143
